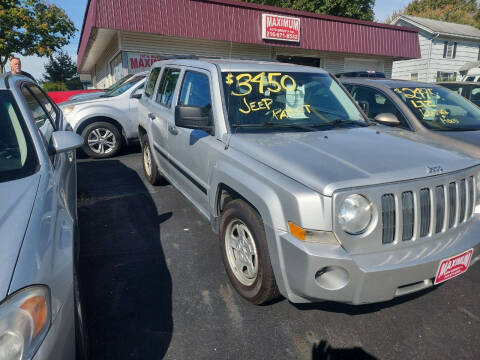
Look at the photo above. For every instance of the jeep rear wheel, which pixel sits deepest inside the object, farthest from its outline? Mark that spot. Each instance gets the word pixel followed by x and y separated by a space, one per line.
pixel 245 253
pixel 150 168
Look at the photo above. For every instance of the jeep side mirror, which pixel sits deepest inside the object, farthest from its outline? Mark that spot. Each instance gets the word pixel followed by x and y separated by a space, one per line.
pixel 193 117
pixel 387 119
pixel 365 106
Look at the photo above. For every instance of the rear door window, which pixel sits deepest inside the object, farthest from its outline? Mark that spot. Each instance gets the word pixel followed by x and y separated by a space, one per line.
pixel 475 95
pixel 166 89
pixel 152 80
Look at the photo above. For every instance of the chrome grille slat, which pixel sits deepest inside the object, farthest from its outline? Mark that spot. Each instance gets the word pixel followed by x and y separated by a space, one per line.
pixel 408 215
pixel 452 203
pixel 415 212
pixel 425 208
pixel 440 210
pixel 463 200
pixel 388 218
pixel 471 200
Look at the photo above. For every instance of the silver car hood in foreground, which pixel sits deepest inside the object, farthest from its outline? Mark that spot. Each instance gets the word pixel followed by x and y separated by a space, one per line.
pixel 17 199
pixel 349 157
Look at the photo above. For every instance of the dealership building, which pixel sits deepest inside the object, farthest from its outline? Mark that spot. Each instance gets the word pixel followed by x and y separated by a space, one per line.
pixel 123 36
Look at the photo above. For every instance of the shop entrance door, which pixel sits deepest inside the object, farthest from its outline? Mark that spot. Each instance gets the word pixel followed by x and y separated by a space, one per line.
pixel 299 60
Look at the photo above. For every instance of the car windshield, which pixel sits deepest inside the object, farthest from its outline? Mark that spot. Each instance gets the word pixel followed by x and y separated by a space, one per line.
pixel 440 109
pixel 17 155
pixel 118 83
pixel 299 101
pixel 123 87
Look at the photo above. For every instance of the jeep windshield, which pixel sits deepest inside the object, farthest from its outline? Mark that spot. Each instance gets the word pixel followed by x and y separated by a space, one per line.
pixel 440 109
pixel 280 101
pixel 17 154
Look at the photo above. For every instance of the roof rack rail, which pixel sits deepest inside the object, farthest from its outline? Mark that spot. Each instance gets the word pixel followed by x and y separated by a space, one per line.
pixel 190 57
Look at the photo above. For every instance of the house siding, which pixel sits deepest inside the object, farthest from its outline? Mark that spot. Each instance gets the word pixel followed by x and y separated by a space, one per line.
pixel 433 61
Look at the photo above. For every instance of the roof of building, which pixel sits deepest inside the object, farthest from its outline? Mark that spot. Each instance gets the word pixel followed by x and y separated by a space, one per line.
pixel 235 21
pixel 441 27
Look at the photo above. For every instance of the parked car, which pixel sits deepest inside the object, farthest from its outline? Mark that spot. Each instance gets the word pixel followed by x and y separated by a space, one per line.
pixel 108 122
pixel 362 74
pixel 426 109
pixel 115 86
pixel 469 90
pixel 309 201
pixel 40 312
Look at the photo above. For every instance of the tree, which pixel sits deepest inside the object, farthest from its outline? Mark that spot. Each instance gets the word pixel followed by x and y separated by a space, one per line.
pixel 457 11
pixel 355 9
pixel 32 27
pixel 62 69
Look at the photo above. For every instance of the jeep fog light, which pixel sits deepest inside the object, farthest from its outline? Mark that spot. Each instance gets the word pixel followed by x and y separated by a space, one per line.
pixel 313 236
pixel 355 214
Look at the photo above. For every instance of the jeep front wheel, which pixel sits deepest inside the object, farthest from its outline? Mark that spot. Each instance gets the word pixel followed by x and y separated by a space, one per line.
pixel 245 253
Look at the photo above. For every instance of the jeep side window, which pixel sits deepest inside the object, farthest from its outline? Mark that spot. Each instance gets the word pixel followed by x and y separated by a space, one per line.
pixel 152 80
pixel 378 103
pixel 195 90
pixel 167 85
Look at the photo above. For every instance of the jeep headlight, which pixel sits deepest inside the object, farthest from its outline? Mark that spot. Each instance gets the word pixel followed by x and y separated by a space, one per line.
pixel 355 214
pixel 24 321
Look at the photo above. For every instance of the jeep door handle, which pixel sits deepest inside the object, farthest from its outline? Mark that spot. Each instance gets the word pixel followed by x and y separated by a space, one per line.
pixel 151 116
pixel 172 129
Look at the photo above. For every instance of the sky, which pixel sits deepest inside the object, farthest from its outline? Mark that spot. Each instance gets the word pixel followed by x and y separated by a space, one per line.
pixel 76 10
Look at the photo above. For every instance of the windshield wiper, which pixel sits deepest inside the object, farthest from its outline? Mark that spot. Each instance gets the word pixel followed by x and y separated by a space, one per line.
pixel 272 124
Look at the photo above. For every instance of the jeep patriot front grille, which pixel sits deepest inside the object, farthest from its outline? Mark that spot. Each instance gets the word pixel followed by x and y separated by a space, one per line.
pixel 410 215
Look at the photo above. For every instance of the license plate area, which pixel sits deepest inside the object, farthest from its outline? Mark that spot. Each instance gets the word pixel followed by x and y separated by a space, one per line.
pixel 453 266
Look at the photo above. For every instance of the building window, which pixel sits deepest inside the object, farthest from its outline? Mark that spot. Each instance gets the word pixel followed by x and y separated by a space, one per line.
pixel 446 76
pixel 449 50
pixel 116 67
pixel 414 76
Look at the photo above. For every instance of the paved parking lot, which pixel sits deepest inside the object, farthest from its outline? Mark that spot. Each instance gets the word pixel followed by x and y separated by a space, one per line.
pixel 155 287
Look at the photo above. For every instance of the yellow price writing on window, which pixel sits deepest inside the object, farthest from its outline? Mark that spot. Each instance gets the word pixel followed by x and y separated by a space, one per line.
pixel 271 82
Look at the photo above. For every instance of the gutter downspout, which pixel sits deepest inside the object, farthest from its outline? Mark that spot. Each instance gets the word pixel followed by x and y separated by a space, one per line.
pixel 430 54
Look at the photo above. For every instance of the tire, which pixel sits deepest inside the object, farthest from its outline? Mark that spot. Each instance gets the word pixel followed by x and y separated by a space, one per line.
pixel 248 263
pixel 150 168
pixel 102 140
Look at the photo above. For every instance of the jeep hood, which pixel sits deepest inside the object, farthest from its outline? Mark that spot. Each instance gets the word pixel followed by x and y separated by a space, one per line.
pixel 349 157
pixel 17 199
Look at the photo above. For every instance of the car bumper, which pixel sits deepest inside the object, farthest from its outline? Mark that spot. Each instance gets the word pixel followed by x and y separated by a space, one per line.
pixel 60 340
pixel 313 272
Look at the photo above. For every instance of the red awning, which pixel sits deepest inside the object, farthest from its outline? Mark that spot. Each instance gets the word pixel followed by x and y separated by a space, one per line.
pixel 229 20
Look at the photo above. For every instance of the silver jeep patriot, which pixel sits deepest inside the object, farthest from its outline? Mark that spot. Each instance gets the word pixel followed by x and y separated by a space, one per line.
pixel 309 199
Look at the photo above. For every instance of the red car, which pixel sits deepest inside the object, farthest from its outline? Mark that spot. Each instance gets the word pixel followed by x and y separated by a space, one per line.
pixel 61 96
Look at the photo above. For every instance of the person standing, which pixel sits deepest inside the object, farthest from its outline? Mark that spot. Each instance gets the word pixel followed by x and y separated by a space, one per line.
pixel 16 68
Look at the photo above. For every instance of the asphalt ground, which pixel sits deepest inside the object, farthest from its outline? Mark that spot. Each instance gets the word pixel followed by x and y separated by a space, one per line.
pixel 154 287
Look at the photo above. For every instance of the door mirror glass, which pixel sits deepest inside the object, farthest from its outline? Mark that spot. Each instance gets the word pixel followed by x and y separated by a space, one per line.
pixel 387 119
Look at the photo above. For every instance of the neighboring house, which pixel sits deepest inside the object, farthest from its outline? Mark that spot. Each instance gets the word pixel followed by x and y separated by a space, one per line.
pixel 445 48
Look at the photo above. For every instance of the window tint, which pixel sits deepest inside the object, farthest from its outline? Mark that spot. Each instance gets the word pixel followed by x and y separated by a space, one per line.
pixel 475 95
pixel 47 104
pixel 17 154
pixel 195 90
pixel 41 118
pixel 378 103
pixel 152 80
pixel 167 86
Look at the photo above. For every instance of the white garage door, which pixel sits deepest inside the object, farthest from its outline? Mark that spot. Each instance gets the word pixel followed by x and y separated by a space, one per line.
pixel 364 64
